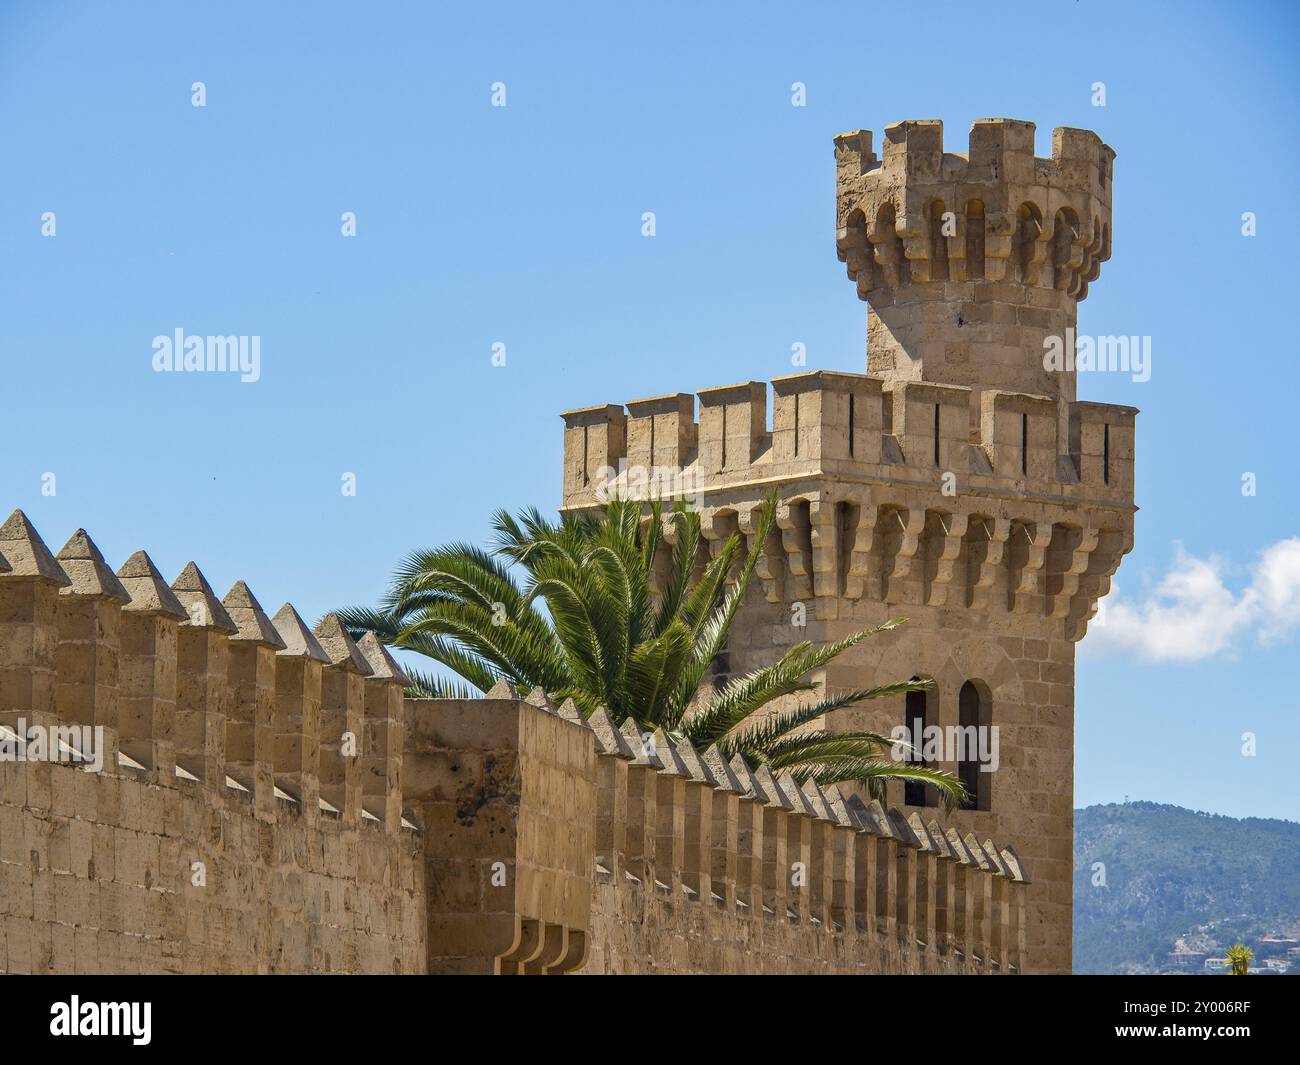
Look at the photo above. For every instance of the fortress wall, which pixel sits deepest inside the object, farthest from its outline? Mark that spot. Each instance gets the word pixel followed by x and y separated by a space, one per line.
pixel 705 867
pixel 257 796
pixel 505 797
pixel 227 827
pixel 98 875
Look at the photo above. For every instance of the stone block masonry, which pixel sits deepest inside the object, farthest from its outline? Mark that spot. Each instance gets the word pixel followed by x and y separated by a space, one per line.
pixel 194 842
pixel 262 798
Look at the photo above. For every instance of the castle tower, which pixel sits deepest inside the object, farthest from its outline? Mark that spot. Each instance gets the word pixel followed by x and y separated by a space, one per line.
pixel 958 483
pixel 970 263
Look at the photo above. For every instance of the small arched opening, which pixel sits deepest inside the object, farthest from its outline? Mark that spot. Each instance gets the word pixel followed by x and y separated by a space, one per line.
pixel 974 744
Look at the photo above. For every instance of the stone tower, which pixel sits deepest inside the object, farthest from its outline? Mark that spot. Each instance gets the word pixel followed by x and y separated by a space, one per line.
pixel 958 483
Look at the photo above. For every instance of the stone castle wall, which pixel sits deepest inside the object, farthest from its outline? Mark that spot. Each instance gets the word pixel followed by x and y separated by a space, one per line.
pixel 705 867
pixel 98 875
pixel 263 798
pixel 199 834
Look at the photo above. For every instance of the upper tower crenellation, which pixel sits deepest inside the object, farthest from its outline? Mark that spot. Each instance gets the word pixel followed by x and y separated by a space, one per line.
pixel 970 262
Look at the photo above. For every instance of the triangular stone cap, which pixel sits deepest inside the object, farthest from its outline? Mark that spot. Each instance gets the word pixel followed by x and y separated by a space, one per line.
pixel 251 623
pixel 792 797
pixel 148 591
pixel 768 789
pixel 745 781
pixel 570 712
pixel 815 799
pixel 544 704
pixel 835 806
pixel 26 553
pixel 608 738
pixel 958 847
pixel 901 829
pixel 922 834
pixel 382 665
pixel 200 602
pixel 672 765
pixel 723 778
pixel 977 852
pixel 340 648
pixel 538 698
pixel 941 845
pixel 860 814
pixel 500 690
pixel 995 859
pixel 1014 865
pixel 883 825
pixel 298 639
pixel 91 576
pixel 690 758
pixel 643 753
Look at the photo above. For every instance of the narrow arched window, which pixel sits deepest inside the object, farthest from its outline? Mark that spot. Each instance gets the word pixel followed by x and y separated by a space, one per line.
pixel 914 718
pixel 973 744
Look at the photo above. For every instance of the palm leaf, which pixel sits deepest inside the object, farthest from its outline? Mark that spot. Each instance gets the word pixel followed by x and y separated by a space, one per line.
pixel 428 686
pixel 876 773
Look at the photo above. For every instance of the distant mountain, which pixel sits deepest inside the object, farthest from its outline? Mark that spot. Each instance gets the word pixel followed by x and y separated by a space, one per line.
pixel 1175 877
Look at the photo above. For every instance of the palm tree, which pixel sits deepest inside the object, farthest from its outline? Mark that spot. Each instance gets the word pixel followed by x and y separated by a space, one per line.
pixel 587 625
pixel 1239 958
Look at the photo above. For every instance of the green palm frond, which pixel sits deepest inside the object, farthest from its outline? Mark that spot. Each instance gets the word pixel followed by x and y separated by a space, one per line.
pixel 744 696
pixel 428 686
pixel 874 773
pixel 359 620
pixel 770 729
pixel 713 635
pixel 567 605
pixel 822 746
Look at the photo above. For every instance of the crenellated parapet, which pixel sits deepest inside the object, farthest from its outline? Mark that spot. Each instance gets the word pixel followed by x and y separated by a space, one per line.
pixel 185 686
pixel 183 776
pixel 887 491
pixel 1044 222
pixel 780 876
pixel 971 261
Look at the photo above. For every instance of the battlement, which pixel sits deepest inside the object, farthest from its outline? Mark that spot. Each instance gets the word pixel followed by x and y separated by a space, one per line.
pixel 969 262
pixel 189 785
pixel 186 686
pixel 1038 222
pixel 857 427
pixel 859 459
pixel 775 876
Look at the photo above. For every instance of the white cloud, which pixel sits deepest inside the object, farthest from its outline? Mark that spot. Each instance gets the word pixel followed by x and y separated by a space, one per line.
pixel 1276 590
pixel 1192 614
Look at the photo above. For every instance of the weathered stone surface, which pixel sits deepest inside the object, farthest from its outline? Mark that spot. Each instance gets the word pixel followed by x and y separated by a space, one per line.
pixel 25 553
pixel 89 574
pixel 250 620
pixel 200 602
pixel 148 592
pixel 339 647
pixel 299 641
pixel 384 667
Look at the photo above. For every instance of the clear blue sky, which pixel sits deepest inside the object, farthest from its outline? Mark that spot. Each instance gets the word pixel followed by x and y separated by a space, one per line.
pixel 522 225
